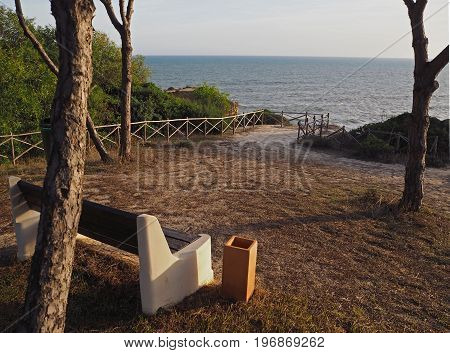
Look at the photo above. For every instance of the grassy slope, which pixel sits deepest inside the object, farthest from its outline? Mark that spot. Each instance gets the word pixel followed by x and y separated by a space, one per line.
pixel 335 259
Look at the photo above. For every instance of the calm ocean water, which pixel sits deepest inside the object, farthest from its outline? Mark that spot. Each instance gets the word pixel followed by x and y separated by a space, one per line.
pixel 353 91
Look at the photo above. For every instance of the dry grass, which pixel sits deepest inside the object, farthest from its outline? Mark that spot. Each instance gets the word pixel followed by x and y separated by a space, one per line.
pixel 332 256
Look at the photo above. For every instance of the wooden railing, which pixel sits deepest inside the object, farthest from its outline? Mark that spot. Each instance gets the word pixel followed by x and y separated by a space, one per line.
pixel 312 124
pixel 16 146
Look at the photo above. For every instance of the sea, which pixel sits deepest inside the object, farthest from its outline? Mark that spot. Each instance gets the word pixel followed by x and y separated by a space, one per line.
pixel 355 91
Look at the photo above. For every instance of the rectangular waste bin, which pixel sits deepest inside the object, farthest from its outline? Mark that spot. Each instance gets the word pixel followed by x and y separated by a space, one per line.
pixel 239 268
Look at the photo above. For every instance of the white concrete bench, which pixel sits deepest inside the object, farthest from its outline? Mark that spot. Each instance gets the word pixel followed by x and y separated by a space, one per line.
pixel 172 265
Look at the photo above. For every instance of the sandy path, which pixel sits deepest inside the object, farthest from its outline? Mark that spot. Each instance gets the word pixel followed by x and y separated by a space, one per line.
pixel 437 181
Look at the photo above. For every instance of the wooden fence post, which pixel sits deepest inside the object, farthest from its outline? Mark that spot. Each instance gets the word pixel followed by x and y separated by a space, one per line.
pixel 328 120
pixel 187 128
pixel 221 127
pixel 234 125
pixel 13 154
pixel 314 125
pixel 282 118
pixel 321 124
pixel 168 131
pixel 145 132
pixel 205 127
pixel 306 123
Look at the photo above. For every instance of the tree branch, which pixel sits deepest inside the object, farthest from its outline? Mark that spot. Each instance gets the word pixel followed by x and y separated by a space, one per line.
pixel 37 45
pixel 439 62
pixel 112 16
pixel 409 3
pixel 421 4
pixel 122 11
pixel 130 10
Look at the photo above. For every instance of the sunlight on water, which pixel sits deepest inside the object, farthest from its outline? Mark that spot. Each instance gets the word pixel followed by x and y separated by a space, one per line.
pixel 381 89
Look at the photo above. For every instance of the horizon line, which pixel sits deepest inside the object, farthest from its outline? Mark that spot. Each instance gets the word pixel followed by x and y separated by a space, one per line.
pixel 275 56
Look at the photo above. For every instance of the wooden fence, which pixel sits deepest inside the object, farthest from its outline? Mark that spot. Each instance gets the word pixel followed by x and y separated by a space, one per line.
pixel 310 123
pixel 16 146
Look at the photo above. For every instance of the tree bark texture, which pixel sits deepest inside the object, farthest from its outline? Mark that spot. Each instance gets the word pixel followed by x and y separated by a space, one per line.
pixel 124 30
pixel 425 84
pixel 51 268
pixel 125 131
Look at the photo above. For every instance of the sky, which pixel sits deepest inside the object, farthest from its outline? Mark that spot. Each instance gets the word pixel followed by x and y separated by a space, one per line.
pixel 336 28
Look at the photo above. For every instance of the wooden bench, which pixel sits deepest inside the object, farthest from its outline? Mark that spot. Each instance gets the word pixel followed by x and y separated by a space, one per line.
pixel 106 224
pixel 173 264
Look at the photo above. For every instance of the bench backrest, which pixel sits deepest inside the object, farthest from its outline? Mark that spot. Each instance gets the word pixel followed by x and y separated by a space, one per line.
pixel 106 224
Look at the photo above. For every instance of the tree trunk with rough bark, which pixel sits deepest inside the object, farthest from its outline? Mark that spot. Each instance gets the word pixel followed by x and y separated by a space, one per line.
pixel 53 68
pixel 125 132
pixel 99 146
pixel 124 30
pixel 425 73
pixel 51 268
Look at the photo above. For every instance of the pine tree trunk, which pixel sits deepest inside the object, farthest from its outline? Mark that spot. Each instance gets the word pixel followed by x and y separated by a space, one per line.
pixel 125 132
pixel 51 268
pixel 425 74
pixel 415 166
pixel 124 30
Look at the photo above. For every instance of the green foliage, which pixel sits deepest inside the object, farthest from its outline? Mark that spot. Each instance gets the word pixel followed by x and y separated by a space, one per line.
pixel 374 147
pixel 26 84
pixel 149 101
pixel 141 71
pixel 272 118
pixel 400 124
pixel 104 108
pixel 214 103
pixel 106 59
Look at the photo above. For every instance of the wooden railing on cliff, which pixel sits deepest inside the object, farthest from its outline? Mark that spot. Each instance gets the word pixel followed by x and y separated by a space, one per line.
pixel 310 123
pixel 14 147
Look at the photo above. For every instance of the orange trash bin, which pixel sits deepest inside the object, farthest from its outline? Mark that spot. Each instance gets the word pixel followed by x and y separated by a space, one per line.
pixel 239 268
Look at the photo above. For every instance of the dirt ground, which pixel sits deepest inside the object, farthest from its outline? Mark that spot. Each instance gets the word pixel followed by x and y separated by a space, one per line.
pixel 323 222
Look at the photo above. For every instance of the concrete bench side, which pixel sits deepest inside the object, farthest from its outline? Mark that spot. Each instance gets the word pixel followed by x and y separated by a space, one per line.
pixel 166 278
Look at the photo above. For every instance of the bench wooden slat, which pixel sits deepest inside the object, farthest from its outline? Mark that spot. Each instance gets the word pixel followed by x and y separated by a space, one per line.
pixel 106 224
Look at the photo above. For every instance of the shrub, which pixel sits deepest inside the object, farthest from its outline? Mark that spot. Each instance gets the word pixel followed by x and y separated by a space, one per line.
pixel 151 102
pixel 400 124
pixel 271 118
pixel 374 147
pixel 212 101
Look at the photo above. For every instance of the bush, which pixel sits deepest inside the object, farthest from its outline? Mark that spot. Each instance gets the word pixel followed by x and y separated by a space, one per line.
pixel 373 147
pixel 151 102
pixel 400 124
pixel 215 104
pixel 271 118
